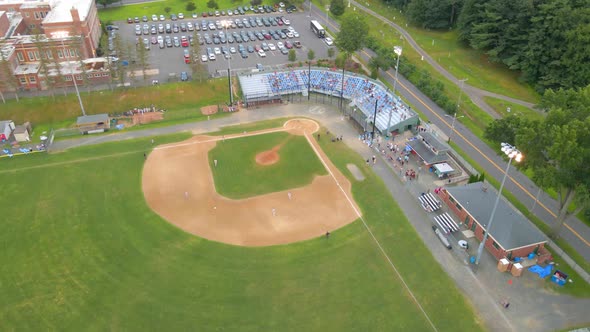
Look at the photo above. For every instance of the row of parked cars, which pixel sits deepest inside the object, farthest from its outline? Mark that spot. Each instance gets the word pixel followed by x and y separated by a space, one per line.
pixel 206 25
pixel 279 7
pixel 245 50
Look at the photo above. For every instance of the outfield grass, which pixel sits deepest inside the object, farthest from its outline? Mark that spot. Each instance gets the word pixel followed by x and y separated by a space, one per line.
pixel 82 251
pixel 237 174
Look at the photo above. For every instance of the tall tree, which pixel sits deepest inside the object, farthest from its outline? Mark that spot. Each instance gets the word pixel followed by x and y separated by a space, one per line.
pixel 337 7
pixel 142 57
pixel 8 81
pixel 353 33
pixel 558 149
pixel 434 14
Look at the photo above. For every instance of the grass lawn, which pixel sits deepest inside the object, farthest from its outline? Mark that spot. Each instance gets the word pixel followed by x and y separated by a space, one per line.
pixel 501 106
pixel 237 174
pixel 83 251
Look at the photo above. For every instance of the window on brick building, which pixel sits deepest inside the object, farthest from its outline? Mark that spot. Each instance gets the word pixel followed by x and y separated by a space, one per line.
pixel 49 54
pixel 31 55
pixel 459 207
pixel 43 14
pixel 32 79
pixel 495 245
pixel 20 56
pixel 23 80
pixel 96 75
pixel 68 78
pixel 32 26
pixel 89 76
pixel 37 56
pixel 451 199
pixel 26 14
pixel 105 74
pixel 60 54
pixel 78 77
pixel 36 15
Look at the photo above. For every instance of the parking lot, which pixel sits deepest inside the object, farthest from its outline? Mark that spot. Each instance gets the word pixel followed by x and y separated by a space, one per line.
pixel 167 60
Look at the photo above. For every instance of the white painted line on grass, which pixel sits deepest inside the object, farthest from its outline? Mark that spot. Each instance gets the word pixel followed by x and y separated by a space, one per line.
pixel 373 236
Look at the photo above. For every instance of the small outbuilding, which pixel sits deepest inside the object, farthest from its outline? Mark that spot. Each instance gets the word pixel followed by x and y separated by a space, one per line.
pixel 91 124
pixel 22 133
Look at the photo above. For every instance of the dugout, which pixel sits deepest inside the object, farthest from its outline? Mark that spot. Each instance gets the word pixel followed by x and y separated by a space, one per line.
pixel 91 124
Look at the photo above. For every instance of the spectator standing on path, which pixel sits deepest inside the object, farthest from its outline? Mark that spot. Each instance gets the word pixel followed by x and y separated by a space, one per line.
pixel 289 194
pixel 215 162
pixel 152 141
pixel 327 235
pixel 144 156
pixel 374 160
pixel 274 212
pixel 318 136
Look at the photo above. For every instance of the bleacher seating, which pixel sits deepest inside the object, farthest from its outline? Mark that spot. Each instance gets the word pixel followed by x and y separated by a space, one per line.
pixel 362 91
pixel 446 223
pixel 429 202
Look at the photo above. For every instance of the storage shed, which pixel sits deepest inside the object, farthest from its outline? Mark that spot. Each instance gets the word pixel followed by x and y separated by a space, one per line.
pixel 22 133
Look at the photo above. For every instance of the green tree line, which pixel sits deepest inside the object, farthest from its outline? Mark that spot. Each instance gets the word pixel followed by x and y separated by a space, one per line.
pixel 548 41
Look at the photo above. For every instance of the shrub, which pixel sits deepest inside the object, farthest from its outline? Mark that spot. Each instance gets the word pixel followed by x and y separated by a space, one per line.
pixel 190 6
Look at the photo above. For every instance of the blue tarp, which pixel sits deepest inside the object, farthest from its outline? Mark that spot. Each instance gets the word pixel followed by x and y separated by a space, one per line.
pixel 543 272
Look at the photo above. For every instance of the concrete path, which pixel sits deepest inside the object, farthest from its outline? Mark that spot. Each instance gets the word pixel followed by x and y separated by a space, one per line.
pixel 531 308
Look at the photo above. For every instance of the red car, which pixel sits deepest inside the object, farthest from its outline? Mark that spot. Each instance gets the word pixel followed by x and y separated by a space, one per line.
pixel 184 42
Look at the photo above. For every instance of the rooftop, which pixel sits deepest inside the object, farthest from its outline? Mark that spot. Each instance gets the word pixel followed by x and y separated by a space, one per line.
pixel 92 119
pixel 60 10
pixel 510 228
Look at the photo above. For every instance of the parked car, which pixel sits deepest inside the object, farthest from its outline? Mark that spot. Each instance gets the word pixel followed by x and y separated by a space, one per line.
pixel 262 54
pixel 204 58
pixel 328 41
pixel 184 76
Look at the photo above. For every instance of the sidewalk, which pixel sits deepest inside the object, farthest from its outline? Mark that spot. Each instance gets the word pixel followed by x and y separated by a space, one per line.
pixel 531 306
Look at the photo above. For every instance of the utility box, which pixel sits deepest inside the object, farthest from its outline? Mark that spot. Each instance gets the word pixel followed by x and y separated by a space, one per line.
pixel 516 270
pixel 503 265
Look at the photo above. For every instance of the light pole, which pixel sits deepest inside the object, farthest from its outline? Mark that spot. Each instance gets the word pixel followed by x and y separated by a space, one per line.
pixel 453 125
pixel 74 80
pixel 512 153
pixel 397 50
pixel 231 95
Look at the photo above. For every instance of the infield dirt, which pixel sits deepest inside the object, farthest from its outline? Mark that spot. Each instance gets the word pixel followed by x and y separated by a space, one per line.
pixel 178 185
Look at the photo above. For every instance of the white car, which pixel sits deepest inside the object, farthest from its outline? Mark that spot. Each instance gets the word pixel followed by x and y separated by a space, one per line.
pixel 217 50
pixel 154 17
pixel 329 41
pixel 262 54
pixel 204 58
pixel 180 16
pixel 272 47
pixel 162 18
pixel 232 50
pixel 280 45
pixel 295 34
pixel 212 56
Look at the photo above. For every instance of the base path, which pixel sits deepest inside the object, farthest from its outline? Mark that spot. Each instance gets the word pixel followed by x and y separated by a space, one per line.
pixel 178 185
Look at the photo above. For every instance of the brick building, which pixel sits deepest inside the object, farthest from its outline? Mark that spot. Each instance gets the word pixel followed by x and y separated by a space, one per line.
pixel 40 40
pixel 512 235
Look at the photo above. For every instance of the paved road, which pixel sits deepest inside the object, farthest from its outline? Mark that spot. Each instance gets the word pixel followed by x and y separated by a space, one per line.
pixel 575 232
pixel 531 308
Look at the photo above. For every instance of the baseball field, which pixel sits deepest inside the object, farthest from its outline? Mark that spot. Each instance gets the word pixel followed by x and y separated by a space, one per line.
pixel 101 238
